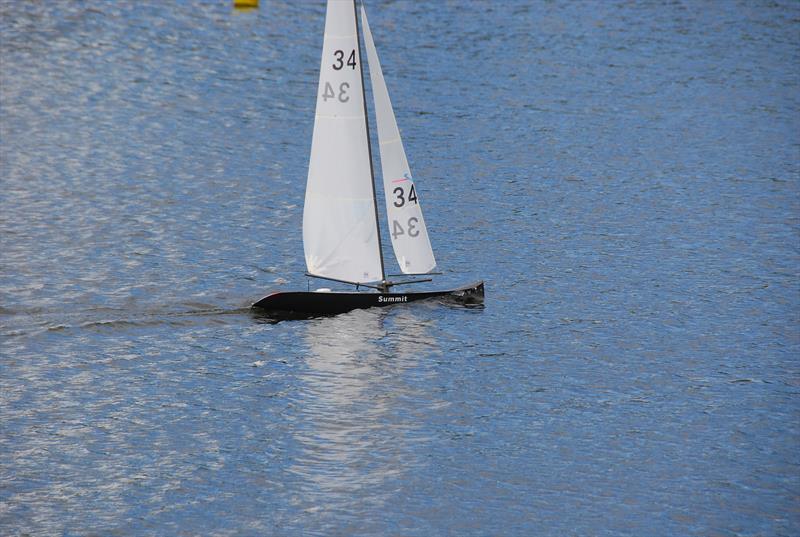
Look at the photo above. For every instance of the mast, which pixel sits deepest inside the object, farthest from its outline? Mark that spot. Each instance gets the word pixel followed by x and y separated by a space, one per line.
pixel 384 286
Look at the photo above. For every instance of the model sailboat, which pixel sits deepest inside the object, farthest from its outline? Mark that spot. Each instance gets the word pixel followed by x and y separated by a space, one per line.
pixel 341 234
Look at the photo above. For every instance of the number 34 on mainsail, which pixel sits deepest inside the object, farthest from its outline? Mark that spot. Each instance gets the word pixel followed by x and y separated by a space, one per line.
pixel 341 234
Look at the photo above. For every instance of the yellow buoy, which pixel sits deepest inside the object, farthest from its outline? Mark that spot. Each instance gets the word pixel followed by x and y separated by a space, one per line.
pixel 245 4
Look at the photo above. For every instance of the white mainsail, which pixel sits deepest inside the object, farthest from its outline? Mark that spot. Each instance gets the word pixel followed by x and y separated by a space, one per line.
pixel 412 247
pixel 340 232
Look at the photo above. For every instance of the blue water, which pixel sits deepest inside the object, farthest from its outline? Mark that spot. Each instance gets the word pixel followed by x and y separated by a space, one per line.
pixel 624 176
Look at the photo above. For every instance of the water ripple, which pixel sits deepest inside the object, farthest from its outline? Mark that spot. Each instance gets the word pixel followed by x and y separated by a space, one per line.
pixel 624 176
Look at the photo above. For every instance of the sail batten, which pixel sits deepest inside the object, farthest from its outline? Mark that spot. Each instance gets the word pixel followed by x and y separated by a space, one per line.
pixel 406 225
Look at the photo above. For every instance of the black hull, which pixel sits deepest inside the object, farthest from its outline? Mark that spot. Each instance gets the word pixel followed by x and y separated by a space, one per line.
pixel 301 304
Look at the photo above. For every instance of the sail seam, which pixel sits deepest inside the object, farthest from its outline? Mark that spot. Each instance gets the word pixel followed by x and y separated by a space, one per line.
pixel 323 116
pixel 392 141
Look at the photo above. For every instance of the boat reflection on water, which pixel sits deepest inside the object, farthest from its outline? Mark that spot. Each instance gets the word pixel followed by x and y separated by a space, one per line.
pixel 356 431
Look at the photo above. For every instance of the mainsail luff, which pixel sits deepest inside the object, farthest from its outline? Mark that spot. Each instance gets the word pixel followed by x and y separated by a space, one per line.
pixel 341 238
pixel 407 229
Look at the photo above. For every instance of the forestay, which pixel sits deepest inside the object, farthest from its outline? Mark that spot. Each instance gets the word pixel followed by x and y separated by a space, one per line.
pixel 410 240
pixel 340 233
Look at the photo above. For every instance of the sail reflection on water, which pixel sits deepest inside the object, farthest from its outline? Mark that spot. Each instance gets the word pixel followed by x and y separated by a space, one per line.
pixel 355 431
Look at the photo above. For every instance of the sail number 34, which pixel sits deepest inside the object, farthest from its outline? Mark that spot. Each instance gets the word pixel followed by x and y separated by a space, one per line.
pixel 400 194
pixel 341 95
pixel 339 55
pixel 412 228
pixel 400 200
